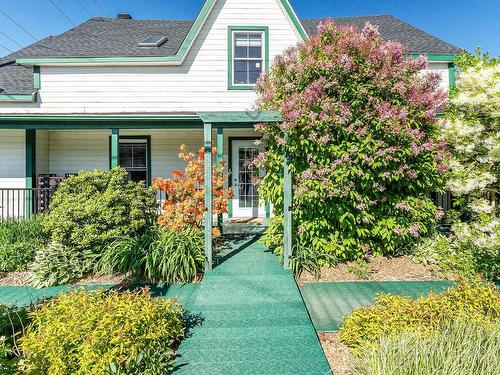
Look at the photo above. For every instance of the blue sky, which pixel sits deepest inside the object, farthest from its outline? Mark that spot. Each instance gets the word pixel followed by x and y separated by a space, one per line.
pixel 465 23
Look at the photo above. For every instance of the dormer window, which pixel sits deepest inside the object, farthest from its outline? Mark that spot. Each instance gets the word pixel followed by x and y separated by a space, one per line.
pixel 248 55
pixel 153 41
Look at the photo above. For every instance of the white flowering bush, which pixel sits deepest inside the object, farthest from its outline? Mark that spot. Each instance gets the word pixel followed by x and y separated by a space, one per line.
pixel 471 128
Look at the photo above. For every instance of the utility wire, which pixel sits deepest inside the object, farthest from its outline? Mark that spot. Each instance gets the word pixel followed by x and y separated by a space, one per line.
pixel 64 14
pixel 12 40
pixel 84 8
pixel 4 47
pixel 18 25
pixel 101 8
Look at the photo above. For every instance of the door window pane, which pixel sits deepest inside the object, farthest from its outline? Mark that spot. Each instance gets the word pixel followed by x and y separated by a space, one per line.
pixel 248 195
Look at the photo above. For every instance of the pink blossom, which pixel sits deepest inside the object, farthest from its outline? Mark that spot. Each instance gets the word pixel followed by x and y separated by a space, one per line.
pixel 399 232
pixel 414 230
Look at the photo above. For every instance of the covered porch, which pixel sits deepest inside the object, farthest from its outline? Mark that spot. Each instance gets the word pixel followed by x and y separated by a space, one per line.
pixel 56 146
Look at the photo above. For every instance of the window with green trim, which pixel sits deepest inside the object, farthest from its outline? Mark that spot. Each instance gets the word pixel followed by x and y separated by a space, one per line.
pixel 248 51
pixel 135 157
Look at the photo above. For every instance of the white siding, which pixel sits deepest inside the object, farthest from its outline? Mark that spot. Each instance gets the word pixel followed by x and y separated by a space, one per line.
pixel 12 159
pixel 42 152
pixel 442 69
pixel 74 151
pixel 200 84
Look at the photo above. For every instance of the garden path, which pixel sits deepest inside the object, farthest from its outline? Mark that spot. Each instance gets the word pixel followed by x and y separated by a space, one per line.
pixel 250 319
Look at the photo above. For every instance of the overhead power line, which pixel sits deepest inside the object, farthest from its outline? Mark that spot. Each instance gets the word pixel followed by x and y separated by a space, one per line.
pixel 100 7
pixel 18 25
pixel 85 8
pixel 12 40
pixel 6 48
pixel 64 14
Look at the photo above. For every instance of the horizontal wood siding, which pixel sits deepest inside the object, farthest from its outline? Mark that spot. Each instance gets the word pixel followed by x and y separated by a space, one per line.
pixel 199 85
pixel 12 159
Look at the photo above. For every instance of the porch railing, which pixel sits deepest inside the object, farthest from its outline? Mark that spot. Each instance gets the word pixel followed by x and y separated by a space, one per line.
pixel 23 203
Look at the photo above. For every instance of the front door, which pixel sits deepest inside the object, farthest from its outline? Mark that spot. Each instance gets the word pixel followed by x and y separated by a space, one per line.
pixel 246 201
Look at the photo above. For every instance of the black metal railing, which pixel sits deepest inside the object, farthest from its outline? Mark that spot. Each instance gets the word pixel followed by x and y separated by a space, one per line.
pixel 23 203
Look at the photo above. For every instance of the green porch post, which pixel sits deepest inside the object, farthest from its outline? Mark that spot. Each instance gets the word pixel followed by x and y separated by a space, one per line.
pixel 451 75
pixel 207 131
pixel 220 159
pixel 30 170
pixel 287 211
pixel 115 148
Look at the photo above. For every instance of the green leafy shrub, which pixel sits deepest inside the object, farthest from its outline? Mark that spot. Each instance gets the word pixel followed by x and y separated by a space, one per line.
pixel 101 333
pixel 458 348
pixel 467 252
pixel 363 139
pixel 13 321
pixel 394 314
pixel 90 210
pixel 159 255
pixel 56 265
pixel 19 241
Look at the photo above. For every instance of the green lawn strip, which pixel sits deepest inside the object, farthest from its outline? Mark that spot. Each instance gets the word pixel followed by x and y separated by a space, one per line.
pixel 329 302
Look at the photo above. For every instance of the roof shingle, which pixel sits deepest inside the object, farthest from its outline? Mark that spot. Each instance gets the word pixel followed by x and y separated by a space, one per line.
pixel 109 37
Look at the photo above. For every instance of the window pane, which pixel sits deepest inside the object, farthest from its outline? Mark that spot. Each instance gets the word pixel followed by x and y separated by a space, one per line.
pixel 241 44
pixel 255 46
pixel 125 156
pixel 139 160
pixel 255 69
pixel 240 72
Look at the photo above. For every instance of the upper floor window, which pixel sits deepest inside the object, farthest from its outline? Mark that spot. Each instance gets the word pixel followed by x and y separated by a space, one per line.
pixel 248 55
pixel 248 58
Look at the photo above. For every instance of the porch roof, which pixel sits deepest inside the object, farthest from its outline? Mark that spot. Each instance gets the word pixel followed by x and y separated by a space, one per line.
pixel 160 120
pixel 240 117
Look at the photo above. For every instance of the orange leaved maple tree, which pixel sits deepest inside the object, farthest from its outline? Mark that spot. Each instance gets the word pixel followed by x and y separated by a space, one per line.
pixel 185 203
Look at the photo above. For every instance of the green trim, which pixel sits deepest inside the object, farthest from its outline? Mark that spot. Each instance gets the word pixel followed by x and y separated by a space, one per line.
pixel 240 117
pixel 30 170
pixel 36 77
pixel 295 20
pixel 452 75
pixel 268 212
pixel 220 159
pixel 435 57
pixel 230 31
pixel 28 98
pixel 178 58
pixel 207 136
pixel 287 211
pixel 149 159
pixel 114 148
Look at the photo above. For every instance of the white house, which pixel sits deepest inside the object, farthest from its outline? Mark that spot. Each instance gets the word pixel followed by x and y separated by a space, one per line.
pixel 129 92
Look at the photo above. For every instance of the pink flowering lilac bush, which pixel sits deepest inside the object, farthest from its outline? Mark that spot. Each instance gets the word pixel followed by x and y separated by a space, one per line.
pixel 360 126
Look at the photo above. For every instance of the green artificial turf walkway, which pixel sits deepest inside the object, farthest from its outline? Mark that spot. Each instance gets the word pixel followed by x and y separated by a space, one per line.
pixel 27 295
pixel 329 302
pixel 248 317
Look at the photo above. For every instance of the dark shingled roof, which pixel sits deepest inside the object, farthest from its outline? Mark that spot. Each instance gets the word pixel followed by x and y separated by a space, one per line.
pixel 391 28
pixel 109 37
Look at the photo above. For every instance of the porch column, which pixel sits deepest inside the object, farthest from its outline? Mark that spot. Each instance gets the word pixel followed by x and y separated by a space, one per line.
pixel 207 127
pixel 115 148
pixel 30 171
pixel 287 211
pixel 220 159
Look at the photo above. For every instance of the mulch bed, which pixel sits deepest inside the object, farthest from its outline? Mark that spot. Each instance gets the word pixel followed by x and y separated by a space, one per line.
pixel 338 355
pixel 401 268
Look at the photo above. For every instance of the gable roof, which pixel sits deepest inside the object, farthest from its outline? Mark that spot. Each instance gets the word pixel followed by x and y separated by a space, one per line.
pixel 106 37
pixel 391 28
